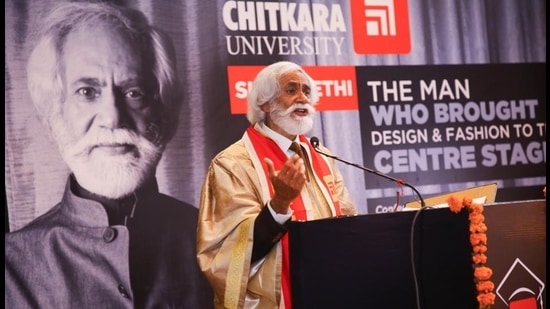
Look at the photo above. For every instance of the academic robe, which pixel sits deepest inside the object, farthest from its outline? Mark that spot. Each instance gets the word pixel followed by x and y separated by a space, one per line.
pixel 233 197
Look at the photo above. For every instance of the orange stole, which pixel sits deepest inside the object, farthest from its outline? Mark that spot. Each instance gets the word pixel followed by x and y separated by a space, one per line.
pixel 266 147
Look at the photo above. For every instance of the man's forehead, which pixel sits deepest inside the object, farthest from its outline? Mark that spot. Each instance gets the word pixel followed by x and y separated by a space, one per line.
pixel 92 51
pixel 293 78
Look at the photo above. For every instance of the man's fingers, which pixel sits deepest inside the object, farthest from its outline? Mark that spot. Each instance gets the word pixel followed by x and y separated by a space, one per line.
pixel 293 168
pixel 270 166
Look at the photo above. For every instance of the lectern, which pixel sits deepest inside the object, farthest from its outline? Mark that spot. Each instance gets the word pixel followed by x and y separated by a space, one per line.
pixel 366 261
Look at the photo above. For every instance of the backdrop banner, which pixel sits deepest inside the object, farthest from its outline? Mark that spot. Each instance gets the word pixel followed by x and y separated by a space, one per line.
pixel 443 94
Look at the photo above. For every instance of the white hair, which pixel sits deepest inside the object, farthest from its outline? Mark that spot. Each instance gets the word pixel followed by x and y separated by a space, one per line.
pixel 266 87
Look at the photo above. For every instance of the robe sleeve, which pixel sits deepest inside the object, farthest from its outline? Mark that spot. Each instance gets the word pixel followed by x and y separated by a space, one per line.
pixel 229 205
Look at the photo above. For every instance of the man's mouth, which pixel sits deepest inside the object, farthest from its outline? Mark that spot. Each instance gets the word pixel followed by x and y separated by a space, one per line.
pixel 301 111
pixel 114 149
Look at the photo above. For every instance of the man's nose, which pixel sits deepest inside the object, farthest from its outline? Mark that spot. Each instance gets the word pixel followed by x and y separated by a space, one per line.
pixel 112 112
pixel 303 98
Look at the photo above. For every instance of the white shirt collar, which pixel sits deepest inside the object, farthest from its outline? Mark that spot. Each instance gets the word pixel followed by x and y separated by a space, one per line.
pixel 283 142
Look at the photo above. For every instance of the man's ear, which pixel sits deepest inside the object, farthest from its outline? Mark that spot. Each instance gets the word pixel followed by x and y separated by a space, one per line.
pixel 266 107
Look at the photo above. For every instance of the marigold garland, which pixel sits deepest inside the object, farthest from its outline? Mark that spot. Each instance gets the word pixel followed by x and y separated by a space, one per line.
pixel 478 240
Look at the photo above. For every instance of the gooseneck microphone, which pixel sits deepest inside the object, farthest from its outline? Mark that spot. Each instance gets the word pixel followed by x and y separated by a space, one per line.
pixel 315 143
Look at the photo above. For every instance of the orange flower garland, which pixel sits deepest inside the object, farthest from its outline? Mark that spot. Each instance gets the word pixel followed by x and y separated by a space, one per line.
pixel 478 240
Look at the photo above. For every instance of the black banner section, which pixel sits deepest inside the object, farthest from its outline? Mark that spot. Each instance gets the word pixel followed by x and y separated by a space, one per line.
pixel 454 124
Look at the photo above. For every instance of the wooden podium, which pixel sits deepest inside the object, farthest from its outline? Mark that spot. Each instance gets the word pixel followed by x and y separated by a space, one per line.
pixel 365 261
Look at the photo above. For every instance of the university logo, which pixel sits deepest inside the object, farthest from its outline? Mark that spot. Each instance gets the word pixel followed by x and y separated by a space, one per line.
pixel 380 26
pixel 521 288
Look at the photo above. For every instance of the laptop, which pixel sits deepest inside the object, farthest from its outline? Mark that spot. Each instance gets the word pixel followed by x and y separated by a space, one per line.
pixel 483 194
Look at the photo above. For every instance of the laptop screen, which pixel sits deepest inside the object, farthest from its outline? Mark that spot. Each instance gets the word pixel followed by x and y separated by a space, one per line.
pixel 484 194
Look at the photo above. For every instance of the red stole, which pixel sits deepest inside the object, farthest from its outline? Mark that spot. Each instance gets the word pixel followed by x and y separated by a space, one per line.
pixel 266 147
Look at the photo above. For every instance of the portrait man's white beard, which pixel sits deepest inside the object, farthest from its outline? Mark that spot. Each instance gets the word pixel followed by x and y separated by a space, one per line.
pixel 292 125
pixel 109 175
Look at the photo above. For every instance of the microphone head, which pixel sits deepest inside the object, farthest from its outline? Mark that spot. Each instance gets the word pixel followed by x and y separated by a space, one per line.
pixel 314 141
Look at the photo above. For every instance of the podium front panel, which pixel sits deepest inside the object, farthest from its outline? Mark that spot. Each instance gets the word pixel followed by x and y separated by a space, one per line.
pixel 365 261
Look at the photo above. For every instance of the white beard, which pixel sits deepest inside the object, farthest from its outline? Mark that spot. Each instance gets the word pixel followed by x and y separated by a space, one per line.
pixel 111 176
pixel 292 125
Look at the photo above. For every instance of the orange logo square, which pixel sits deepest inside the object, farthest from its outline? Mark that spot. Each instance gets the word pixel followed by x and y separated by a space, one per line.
pixel 380 26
